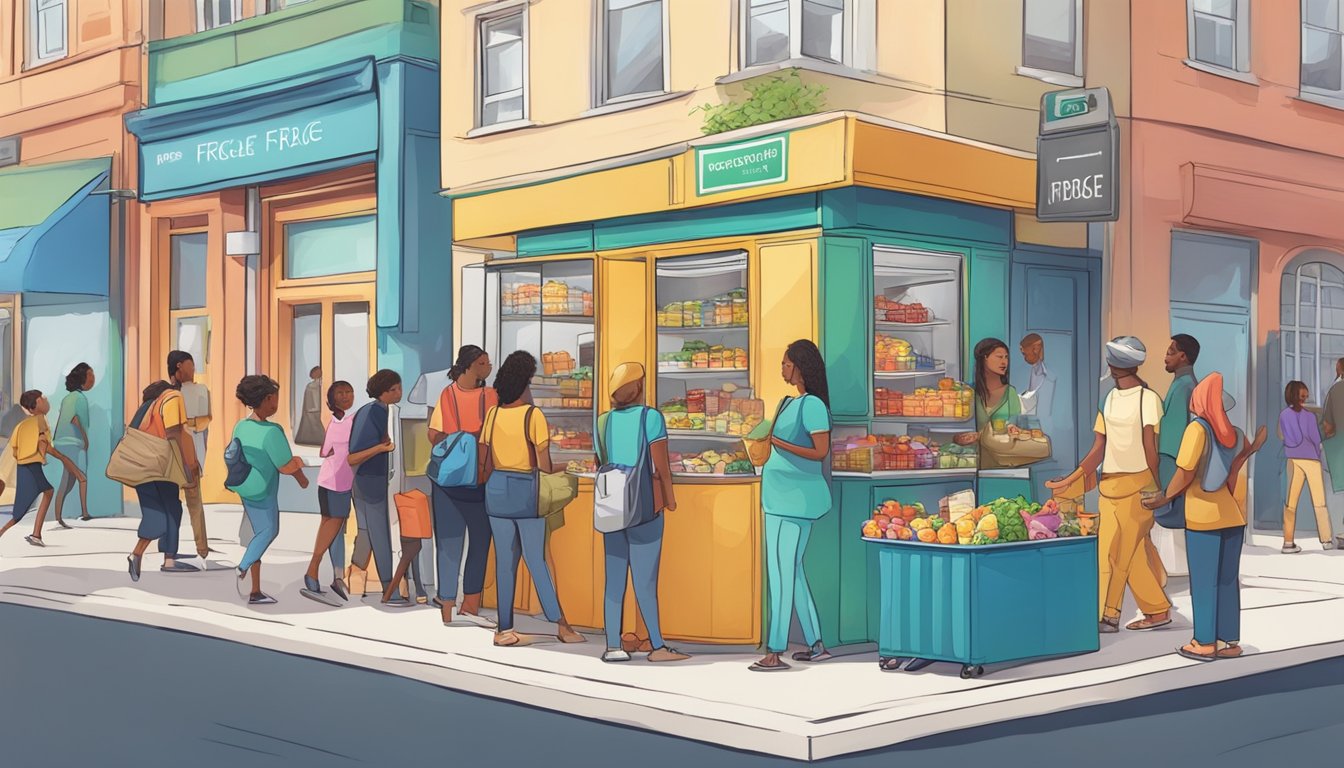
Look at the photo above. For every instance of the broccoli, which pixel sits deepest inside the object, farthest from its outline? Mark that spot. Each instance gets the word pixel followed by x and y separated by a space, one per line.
pixel 1012 527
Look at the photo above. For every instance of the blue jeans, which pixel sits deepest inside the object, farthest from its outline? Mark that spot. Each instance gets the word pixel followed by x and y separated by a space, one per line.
pixel 264 516
pixel 1215 594
pixel 525 537
pixel 375 527
pixel 160 514
pixel 785 544
pixel 460 521
pixel 637 550
pixel 335 504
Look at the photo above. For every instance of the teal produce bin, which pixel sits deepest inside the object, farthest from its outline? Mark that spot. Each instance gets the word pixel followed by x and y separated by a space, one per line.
pixel 979 605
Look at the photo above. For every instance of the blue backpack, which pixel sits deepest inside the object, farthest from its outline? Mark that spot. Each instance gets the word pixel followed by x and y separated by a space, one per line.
pixel 452 462
pixel 237 464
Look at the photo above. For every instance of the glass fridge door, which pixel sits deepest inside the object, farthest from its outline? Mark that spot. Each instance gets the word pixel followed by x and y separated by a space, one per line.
pixel 704 377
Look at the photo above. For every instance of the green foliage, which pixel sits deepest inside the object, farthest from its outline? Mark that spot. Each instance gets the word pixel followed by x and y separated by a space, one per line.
pixel 778 97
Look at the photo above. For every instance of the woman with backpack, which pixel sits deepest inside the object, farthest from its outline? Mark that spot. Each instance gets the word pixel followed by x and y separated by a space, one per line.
pixel 162 415
pixel 334 481
pixel 795 493
pixel 1211 456
pixel 459 511
pixel 515 444
pixel 266 451
pixel 632 440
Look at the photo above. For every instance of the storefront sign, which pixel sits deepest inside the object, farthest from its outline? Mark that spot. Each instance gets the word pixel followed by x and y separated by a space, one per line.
pixel 1073 109
pixel 742 164
pixel 237 154
pixel 1077 175
pixel 9 151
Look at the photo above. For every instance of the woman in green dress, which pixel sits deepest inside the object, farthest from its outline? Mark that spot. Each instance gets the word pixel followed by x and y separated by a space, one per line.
pixel 72 438
pixel 996 401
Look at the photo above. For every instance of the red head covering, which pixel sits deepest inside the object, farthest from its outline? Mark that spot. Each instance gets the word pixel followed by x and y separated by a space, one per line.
pixel 1206 402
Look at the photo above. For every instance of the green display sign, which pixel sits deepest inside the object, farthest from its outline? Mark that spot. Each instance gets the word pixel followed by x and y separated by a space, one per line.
pixel 742 164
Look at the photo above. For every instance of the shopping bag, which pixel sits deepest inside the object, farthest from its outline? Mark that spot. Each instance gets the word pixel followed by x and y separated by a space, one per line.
pixel 413 515
pixel 1006 451
pixel 141 457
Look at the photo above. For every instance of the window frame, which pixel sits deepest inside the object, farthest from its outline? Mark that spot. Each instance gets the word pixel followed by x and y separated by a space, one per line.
pixel 1316 388
pixel 236 6
pixel 1241 39
pixel 481 21
pixel 1079 44
pixel 601 82
pixel 850 56
pixel 177 315
pixel 1312 90
pixel 33 37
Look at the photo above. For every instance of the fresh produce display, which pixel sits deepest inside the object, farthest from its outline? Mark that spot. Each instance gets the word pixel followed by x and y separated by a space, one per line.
pixel 574 387
pixel 893 355
pixel 712 463
pixel 727 310
pixel 581 467
pixel 1003 521
pixel 950 400
pixel 891 311
pixel 557 363
pixel 555 298
pixel 729 411
pixel 571 440
pixel 897 453
pixel 700 355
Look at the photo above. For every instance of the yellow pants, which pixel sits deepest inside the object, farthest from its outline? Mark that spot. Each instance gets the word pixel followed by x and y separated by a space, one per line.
pixel 1306 471
pixel 1125 553
pixel 196 509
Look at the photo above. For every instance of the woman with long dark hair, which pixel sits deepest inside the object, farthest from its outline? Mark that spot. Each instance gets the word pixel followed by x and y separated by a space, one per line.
pixel 515 442
pixel 72 438
pixel 334 481
pixel 795 493
pixel 1302 446
pixel 459 513
pixel 996 401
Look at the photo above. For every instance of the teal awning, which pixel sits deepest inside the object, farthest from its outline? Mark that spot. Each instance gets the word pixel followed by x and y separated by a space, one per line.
pixel 54 235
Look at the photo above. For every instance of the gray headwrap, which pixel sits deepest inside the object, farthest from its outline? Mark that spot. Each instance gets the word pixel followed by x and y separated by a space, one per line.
pixel 1125 352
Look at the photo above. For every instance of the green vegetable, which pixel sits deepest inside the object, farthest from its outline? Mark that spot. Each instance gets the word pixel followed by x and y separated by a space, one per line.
pixel 936 522
pixel 1011 526
pixel 980 539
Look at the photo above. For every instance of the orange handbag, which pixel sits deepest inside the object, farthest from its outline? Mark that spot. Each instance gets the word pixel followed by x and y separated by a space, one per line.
pixel 413 514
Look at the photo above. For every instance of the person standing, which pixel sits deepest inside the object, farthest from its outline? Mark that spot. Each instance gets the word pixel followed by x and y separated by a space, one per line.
pixel 795 493
pixel 1179 361
pixel 370 445
pixel 1039 399
pixel 194 401
pixel 515 444
pixel 31 444
pixel 161 415
pixel 72 438
pixel 1332 448
pixel 1125 448
pixel 1212 454
pixel 1302 445
pixel 636 551
pixel 334 482
pixel 460 520
pixel 310 430
pixel 267 452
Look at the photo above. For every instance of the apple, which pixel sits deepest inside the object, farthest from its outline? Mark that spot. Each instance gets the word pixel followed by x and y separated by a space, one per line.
pixel 893 534
pixel 882 520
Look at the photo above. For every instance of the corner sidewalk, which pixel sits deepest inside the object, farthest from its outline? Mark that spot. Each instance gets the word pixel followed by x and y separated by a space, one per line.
pixel 1291 616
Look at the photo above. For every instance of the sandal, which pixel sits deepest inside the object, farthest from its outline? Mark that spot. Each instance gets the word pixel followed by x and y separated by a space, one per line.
pixel 1147 622
pixel 1108 626
pixel 508 639
pixel 1229 652
pixel 1189 651
pixel 778 667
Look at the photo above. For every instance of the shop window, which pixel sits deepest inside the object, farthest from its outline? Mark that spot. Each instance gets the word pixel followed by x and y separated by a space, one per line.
pixel 47 31
pixel 331 247
pixel 1322 62
pixel 1312 329
pixel 188 318
pixel 279 5
pixel 1052 35
pixel 334 336
pixel 8 381
pixel 632 47
pixel 1219 33
pixel 502 69
pixel 217 13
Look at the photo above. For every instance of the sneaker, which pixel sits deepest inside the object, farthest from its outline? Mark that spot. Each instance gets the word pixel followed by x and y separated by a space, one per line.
pixel 665 654
pixel 261 598
pixel 133 566
pixel 1327 545
pixel 35 541
pixel 1290 549
pixel 471 620
pixel 179 567
pixel 398 601
pixel 338 587
pixel 1339 541
pixel 816 653
pixel 1107 628
pixel 615 655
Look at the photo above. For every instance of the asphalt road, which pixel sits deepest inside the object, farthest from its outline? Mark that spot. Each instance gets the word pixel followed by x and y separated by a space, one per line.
pixel 76 691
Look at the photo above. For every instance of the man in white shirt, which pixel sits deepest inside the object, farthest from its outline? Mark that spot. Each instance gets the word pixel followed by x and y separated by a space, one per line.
pixel 1039 398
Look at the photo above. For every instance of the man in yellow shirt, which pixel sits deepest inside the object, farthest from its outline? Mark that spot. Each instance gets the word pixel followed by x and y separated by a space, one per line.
pixel 31 444
pixel 182 375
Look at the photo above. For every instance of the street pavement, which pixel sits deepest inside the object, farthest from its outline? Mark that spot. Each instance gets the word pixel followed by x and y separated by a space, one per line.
pixel 846 707
pixel 79 691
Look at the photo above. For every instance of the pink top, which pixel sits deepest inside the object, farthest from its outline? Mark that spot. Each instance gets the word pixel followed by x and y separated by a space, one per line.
pixel 336 473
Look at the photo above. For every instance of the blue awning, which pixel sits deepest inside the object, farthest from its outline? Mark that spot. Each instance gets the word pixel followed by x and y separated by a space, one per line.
pixel 55 234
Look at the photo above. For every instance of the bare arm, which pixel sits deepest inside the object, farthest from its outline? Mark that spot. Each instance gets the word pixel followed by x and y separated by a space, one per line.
pixel 46 449
pixel 295 470
pixel 544 458
pixel 1087 468
pixel 187 447
pixel 663 468
pixel 74 420
pixel 359 458
pixel 1150 451
pixel 1243 457
pixel 821 445
pixel 436 437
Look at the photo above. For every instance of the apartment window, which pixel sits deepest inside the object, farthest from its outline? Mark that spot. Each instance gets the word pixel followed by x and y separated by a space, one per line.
pixel 1312 325
pixel 1051 31
pixel 632 48
pixel 503 69
pixel 216 13
pixel 776 30
pixel 46 31
pixel 1322 64
pixel 1220 33
pixel 279 5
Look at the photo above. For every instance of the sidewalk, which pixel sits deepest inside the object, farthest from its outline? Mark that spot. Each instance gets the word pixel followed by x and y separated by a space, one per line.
pixel 1291 616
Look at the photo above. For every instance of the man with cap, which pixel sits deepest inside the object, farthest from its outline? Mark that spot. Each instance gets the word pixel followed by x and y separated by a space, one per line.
pixel 636 550
pixel 1125 449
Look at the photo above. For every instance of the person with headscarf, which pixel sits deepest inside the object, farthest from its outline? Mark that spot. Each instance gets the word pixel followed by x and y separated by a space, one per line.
pixel 1211 456
pixel 1125 449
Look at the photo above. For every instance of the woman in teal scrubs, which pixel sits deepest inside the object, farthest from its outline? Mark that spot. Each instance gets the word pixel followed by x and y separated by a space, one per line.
pixel 795 492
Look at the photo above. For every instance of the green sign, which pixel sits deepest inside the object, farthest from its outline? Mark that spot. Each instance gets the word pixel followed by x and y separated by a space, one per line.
pixel 1068 106
pixel 742 164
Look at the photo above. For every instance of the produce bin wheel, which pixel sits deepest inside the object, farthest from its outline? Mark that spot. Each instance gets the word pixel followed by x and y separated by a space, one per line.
pixel 891 663
pixel 968 671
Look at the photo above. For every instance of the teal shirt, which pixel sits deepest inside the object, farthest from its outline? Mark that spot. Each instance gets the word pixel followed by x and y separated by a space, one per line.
pixel 792 486
pixel 74 404
pixel 267 450
pixel 1009 409
pixel 1175 415
pixel 619 433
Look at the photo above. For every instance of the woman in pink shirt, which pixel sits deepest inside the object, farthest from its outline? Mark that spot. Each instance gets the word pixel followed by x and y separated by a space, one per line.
pixel 334 483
